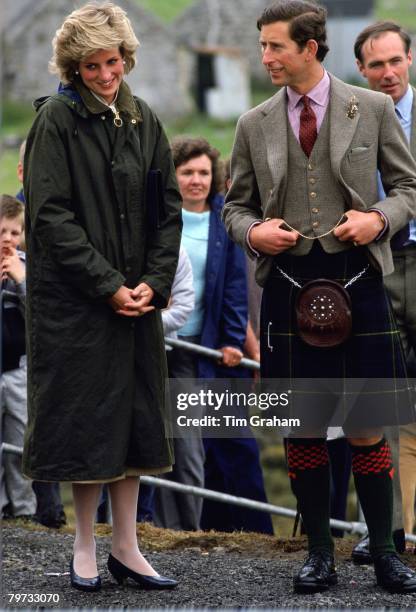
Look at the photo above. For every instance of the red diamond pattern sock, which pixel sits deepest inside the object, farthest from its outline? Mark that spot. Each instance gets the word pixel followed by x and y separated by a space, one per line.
pixel 308 467
pixel 373 473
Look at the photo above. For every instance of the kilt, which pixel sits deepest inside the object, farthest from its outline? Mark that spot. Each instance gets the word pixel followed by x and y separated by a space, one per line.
pixel 373 351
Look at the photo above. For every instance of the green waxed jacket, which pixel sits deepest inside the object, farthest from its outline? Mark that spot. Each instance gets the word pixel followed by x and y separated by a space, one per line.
pixel 96 379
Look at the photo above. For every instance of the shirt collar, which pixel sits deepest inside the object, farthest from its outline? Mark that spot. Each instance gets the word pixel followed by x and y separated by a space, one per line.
pixel 404 105
pixel 318 94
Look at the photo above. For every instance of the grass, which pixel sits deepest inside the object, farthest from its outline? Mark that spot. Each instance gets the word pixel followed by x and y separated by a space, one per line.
pixel 8 178
pixel 402 11
pixel 167 10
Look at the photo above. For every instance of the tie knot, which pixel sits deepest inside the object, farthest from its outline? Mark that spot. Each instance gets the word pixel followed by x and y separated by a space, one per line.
pixel 306 102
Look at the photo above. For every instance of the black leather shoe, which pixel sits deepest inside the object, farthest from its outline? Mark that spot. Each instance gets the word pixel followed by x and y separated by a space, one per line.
pixel 83 584
pixel 393 575
pixel 120 572
pixel 316 574
pixel 361 552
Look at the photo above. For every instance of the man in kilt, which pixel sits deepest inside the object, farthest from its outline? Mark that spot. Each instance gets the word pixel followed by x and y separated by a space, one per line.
pixel 304 202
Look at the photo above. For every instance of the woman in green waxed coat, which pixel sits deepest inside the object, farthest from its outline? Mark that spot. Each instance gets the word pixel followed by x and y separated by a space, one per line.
pixel 101 260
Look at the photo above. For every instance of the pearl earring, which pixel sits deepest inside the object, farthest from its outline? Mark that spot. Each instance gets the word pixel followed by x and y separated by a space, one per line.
pixel 76 71
pixel 124 61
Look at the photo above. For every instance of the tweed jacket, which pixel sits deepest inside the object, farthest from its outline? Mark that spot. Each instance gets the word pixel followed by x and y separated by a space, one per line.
pixel 361 140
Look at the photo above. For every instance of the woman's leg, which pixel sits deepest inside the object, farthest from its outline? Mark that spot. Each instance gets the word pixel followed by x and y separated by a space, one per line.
pixel 124 494
pixel 85 505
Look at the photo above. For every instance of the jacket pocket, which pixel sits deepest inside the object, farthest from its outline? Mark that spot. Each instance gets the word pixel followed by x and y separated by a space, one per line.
pixel 359 154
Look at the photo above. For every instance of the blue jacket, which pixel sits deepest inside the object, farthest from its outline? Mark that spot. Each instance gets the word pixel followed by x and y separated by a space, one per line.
pixel 225 320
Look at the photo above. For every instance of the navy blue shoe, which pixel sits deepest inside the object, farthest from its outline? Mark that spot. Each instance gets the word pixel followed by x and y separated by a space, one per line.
pixel 83 584
pixel 120 572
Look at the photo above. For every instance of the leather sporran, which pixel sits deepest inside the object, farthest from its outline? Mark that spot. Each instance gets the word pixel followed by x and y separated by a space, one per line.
pixel 323 313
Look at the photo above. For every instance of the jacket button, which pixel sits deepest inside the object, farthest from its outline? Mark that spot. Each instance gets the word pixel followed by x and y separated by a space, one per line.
pixel 128 269
pixel 312 181
pixel 122 216
pixel 315 210
pixel 134 121
pixel 112 162
pixel 310 166
pixel 315 224
pixel 103 117
pixel 313 194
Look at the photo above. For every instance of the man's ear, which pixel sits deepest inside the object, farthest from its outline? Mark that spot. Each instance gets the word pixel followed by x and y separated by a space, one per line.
pixel 312 48
pixel 361 67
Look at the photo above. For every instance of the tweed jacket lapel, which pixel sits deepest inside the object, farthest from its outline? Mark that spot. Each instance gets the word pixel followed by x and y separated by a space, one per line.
pixel 413 129
pixel 274 126
pixel 342 126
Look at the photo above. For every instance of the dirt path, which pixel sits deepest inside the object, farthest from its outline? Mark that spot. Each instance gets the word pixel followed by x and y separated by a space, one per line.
pixel 214 570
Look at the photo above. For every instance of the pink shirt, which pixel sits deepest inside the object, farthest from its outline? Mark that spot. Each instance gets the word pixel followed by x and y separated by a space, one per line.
pixel 319 97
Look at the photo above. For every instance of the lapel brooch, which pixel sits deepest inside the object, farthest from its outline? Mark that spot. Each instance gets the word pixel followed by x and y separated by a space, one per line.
pixel 352 108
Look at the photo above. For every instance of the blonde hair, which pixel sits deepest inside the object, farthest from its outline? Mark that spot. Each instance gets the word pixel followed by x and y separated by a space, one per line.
pixel 87 30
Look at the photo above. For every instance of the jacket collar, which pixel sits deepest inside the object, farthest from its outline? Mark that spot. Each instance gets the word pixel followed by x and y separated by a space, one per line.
pixel 84 102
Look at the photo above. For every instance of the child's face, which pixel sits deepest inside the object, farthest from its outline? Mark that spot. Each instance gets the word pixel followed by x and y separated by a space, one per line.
pixel 11 233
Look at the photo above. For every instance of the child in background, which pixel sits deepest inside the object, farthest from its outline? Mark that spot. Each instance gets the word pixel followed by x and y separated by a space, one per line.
pixel 17 499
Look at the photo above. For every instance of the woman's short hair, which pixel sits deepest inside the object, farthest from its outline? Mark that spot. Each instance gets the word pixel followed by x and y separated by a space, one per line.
pixel 185 148
pixel 87 30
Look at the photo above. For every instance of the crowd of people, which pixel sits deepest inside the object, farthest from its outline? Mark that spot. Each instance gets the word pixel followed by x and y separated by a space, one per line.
pixel 125 238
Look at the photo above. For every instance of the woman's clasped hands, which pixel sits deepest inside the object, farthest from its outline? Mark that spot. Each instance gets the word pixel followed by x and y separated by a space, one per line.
pixel 132 302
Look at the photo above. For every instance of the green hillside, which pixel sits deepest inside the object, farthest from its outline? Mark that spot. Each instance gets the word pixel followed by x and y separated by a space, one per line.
pixel 402 11
pixel 165 9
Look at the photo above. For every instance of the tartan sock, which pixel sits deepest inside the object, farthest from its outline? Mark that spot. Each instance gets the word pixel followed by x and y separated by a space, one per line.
pixel 373 471
pixel 308 468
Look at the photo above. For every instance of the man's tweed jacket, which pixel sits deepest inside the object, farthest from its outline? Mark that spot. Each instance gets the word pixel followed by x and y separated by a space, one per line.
pixel 361 141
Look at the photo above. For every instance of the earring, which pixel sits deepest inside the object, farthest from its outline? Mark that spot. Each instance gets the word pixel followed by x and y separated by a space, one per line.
pixel 76 71
pixel 124 61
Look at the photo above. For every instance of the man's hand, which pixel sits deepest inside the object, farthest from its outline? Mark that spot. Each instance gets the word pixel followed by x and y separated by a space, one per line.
pixel 231 356
pixel 360 227
pixel 269 238
pixel 12 267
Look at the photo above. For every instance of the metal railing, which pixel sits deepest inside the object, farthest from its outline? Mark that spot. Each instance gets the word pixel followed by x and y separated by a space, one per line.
pixel 208 352
pixel 353 527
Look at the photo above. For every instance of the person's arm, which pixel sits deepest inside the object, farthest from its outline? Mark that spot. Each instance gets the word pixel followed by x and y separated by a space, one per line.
pixel 233 324
pixel 52 222
pixel 398 171
pixel 163 242
pixel 242 213
pixel 182 298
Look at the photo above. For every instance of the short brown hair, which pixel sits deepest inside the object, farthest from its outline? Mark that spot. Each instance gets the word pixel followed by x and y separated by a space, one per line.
pixel 378 29
pixel 185 148
pixel 11 208
pixel 307 21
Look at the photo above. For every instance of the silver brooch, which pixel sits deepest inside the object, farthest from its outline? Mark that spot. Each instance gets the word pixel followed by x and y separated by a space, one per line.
pixel 352 108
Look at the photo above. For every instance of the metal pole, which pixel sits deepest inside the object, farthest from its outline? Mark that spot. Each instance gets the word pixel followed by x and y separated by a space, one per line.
pixel 208 352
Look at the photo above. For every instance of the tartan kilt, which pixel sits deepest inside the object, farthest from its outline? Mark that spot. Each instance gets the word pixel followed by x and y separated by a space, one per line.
pixel 373 351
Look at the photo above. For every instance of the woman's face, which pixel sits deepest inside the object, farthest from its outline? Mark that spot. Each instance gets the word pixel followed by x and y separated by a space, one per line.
pixel 102 72
pixel 194 179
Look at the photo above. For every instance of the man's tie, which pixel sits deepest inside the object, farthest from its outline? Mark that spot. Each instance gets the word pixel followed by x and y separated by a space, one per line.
pixel 308 129
pixel 402 236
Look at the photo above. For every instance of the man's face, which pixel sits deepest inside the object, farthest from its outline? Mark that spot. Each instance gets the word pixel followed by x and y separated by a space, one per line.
pixel 386 64
pixel 286 63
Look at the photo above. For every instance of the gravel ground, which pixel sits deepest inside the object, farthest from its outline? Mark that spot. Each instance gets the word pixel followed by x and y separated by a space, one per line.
pixel 210 577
